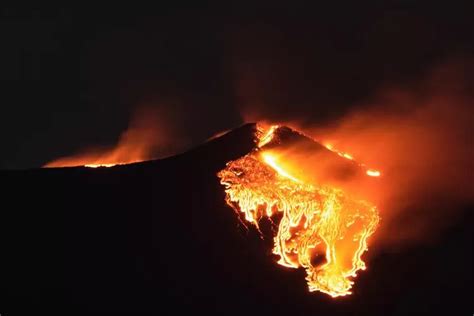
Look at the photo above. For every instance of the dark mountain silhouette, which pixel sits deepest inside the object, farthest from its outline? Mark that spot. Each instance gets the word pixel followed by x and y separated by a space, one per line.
pixel 158 238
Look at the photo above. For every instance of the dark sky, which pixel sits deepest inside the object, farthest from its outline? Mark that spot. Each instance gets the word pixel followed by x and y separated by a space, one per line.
pixel 72 76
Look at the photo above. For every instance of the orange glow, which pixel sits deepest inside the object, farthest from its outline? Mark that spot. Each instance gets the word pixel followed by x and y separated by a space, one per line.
pixel 369 172
pixel 128 150
pixel 317 221
pixel 143 140
pixel 413 144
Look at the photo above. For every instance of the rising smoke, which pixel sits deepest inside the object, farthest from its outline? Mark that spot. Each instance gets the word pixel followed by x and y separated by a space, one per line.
pixel 420 137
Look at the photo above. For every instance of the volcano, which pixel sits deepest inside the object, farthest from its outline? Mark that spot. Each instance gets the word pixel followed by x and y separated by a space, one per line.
pixel 316 221
pixel 158 237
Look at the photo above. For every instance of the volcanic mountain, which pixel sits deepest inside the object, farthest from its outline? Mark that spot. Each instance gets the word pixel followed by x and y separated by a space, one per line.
pixel 157 237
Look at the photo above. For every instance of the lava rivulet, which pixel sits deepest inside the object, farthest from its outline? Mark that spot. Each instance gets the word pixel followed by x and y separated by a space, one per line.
pixel 317 221
pixel 369 172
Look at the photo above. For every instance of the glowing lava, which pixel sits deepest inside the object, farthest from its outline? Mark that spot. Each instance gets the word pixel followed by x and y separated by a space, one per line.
pixel 116 156
pixel 270 160
pixel 105 165
pixel 373 173
pixel 369 172
pixel 322 229
pixel 266 136
pixel 146 136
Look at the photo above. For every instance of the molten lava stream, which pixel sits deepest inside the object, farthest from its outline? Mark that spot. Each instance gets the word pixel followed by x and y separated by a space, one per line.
pixel 316 219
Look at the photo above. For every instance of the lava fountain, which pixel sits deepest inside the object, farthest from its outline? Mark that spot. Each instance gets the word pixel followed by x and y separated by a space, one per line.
pixel 322 229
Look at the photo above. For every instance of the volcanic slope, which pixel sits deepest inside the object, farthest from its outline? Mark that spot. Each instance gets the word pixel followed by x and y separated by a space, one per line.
pixel 158 237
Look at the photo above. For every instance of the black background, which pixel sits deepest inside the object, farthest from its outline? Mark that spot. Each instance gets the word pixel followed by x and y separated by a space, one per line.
pixel 72 75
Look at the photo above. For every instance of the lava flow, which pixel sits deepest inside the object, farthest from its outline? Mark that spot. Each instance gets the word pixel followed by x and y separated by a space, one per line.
pixel 322 228
pixel 117 156
pixel 133 146
pixel 369 172
pixel 130 149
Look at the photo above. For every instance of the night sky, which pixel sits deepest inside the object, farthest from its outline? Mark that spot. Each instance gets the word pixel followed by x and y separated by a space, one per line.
pixel 71 77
